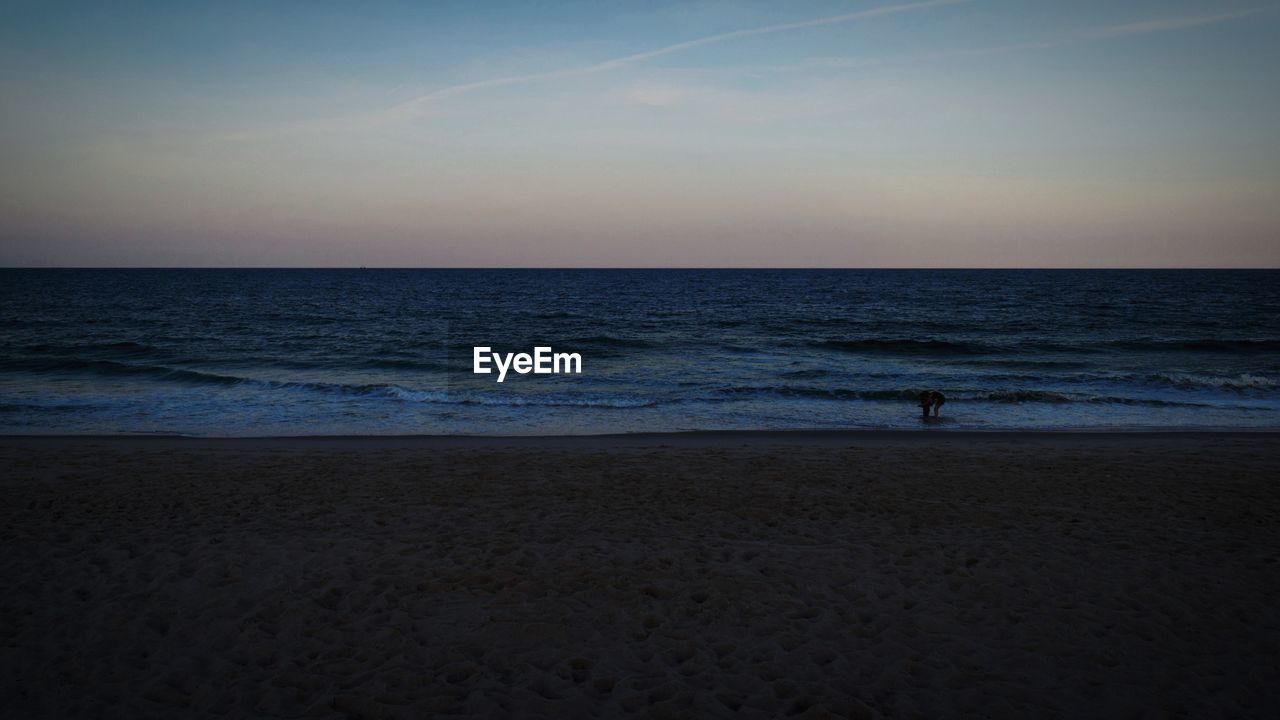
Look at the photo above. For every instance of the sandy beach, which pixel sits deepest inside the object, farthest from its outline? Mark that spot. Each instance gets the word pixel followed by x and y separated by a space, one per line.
pixel 834 574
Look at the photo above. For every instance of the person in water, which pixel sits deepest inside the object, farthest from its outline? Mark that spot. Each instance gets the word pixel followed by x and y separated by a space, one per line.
pixel 931 399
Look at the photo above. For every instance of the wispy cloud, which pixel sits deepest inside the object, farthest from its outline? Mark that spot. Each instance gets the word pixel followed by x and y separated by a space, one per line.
pixel 1171 23
pixel 414 107
pixel 1093 34
pixel 655 94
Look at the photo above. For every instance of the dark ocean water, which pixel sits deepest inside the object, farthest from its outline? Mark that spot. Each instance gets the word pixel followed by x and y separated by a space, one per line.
pixel 301 352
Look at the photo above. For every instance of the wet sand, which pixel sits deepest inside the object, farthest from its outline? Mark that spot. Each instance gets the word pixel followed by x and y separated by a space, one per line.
pixel 828 574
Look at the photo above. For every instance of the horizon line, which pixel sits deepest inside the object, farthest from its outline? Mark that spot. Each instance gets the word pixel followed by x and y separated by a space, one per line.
pixel 640 267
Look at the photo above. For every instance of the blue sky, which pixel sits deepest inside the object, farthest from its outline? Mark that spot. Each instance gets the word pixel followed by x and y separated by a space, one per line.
pixel 716 133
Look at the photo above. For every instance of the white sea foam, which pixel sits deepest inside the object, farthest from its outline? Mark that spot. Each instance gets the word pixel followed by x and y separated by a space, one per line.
pixel 1243 381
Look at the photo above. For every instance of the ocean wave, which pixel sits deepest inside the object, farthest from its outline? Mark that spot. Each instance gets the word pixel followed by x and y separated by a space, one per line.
pixel 738 349
pixel 1190 381
pixel 385 390
pixel 54 407
pixel 409 364
pixel 1024 363
pixel 933 346
pixel 441 397
pixel 125 351
pixel 805 373
pixel 893 346
pixel 111 368
pixel 335 363
pixel 608 341
pixel 598 343
pixel 820 393
pixel 117 349
pixel 1197 345
pixel 989 396
pixel 1016 396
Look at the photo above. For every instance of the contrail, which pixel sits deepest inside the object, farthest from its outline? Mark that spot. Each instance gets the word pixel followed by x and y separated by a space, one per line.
pixel 412 107
pixel 1088 35
pixel 1173 23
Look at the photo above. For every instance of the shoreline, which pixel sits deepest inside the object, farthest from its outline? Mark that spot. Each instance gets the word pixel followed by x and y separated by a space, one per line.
pixel 687 438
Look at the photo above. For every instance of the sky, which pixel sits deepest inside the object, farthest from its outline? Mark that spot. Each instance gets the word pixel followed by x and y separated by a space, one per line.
pixel 709 133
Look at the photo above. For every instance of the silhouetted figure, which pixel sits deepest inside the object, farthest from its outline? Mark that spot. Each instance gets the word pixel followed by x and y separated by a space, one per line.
pixel 931 399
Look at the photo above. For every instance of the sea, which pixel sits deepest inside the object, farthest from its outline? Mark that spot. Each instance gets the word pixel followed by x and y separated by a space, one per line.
pixel 389 352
